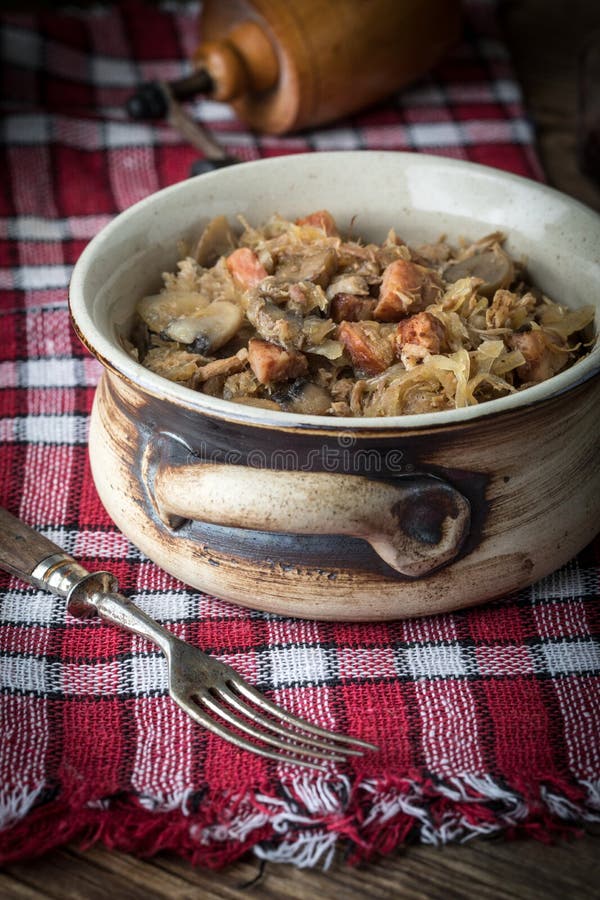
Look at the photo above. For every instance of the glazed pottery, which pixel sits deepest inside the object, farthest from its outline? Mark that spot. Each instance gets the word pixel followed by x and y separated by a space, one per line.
pixel 333 518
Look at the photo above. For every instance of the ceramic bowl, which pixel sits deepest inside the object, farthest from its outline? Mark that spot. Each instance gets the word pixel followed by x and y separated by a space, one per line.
pixel 346 519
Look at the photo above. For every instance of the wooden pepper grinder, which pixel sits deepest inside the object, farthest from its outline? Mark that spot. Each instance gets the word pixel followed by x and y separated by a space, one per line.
pixel 285 65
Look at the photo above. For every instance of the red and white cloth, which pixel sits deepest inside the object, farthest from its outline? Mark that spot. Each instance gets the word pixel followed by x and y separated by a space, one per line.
pixel 487 719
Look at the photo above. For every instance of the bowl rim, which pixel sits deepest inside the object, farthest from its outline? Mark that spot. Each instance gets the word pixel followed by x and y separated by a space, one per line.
pixel 116 359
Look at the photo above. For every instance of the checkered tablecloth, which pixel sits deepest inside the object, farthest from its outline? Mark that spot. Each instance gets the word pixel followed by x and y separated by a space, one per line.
pixel 487 719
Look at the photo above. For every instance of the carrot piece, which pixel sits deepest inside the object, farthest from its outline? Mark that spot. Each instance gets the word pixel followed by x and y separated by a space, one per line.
pixel 320 219
pixel 245 268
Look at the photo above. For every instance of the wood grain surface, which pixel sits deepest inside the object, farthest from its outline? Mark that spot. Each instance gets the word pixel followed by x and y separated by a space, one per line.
pixel 320 48
pixel 21 547
pixel 545 39
pixel 486 870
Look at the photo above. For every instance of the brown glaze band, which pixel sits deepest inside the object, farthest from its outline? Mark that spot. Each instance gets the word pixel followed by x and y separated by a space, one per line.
pixel 415 524
pixel 512 479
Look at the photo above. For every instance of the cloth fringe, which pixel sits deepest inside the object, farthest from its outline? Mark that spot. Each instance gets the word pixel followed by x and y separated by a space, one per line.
pixel 310 819
pixel 15 805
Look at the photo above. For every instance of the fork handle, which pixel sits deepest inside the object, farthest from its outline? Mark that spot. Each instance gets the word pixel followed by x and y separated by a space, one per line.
pixel 29 555
pixel 22 548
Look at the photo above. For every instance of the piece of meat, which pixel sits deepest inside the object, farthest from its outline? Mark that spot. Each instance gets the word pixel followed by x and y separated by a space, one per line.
pixel 369 347
pixel 320 219
pixel 245 268
pixel 508 310
pixel 350 308
pixel 417 337
pixel 406 288
pixel 422 329
pixel 227 366
pixel 542 359
pixel 340 408
pixel 271 363
pixel 172 363
pixel 342 388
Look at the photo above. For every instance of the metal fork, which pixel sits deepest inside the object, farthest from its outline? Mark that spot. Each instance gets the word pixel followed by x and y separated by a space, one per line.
pixel 209 691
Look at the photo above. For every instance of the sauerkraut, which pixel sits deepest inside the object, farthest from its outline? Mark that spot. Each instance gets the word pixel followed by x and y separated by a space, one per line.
pixel 295 316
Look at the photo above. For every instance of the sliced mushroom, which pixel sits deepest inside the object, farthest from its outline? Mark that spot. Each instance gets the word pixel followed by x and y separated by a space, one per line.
pixel 209 328
pixel 159 310
pixel 274 323
pixel 216 240
pixel 492 265
pixel 318 267
pixel 304 397
pixel 311 400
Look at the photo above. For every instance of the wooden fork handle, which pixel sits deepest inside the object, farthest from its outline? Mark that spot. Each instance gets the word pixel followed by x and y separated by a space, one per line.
pixel 30 556
pixel 22 548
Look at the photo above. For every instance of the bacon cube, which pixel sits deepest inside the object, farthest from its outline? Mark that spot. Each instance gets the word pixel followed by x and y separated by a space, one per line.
pixel 271 363
pixel 368 346
pixel 542 352
pixel 350 308
pixel 423 330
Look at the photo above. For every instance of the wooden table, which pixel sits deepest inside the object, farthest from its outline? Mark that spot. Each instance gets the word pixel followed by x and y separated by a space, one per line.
pixel 545 39
pixel 486 870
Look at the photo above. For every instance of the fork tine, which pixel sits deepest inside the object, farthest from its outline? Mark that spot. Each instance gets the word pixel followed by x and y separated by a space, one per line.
pixel 252 694
pixel 204 719
pixel 222 711
pixel 227 694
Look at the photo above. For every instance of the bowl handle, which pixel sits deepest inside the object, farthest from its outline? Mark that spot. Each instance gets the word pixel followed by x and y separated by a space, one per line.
pixel 416 523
